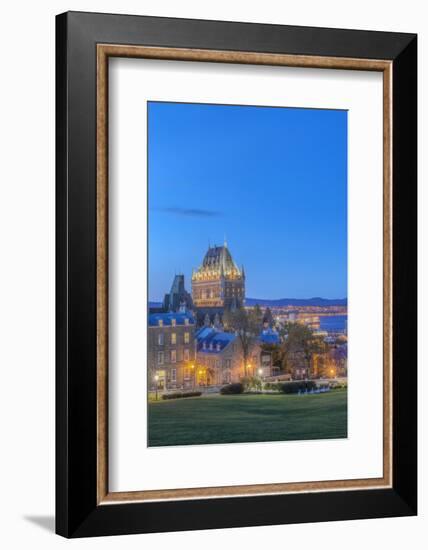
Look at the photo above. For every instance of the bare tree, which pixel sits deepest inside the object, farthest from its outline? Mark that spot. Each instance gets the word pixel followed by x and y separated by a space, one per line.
pixel 247 325
pixel 301 342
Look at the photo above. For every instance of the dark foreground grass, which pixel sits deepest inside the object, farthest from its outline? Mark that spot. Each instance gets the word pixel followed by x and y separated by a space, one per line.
pixel 247 418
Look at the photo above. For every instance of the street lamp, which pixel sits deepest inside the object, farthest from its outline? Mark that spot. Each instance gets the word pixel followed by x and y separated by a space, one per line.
pixel 260 372
pixel 156 378
pixel 193 375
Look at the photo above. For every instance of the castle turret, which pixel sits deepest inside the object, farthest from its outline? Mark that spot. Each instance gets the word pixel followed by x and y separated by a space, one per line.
pixel 177 296
pixel 218 282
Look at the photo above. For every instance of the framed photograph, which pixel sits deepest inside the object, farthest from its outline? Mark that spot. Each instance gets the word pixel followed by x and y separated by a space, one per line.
pixel 236 274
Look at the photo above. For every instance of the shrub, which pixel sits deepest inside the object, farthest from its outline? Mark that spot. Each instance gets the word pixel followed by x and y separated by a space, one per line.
pixel 178 395
pixel 298 385
pixel 337 386
pixel 252 383
pixel 232 389
pixel 272 386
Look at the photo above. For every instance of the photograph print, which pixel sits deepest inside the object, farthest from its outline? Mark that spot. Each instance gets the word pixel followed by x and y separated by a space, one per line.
pixel 247 286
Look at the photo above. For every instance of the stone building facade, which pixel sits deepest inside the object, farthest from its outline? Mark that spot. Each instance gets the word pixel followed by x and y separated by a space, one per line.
pixel 262 353
pixel 220 360
pixel 171 350
pixel 218 357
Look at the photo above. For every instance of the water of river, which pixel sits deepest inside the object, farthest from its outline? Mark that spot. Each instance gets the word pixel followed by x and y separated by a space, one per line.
pixel 334 323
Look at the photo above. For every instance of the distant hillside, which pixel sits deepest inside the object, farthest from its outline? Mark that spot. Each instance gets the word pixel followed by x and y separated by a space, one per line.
pixel 322 302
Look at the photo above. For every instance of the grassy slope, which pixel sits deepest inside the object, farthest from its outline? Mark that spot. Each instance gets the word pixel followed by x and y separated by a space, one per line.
pixel 245 418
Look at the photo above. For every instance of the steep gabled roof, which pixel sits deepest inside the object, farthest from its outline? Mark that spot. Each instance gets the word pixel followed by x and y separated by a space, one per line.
pixel 269 336
pixel 218 260
pixel 215 341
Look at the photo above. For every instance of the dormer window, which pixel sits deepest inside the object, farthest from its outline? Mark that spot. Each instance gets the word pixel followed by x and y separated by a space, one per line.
pixel 186 321
pixel 204 345
pixel 218 347
pixel 211 345
pixel 160 323
pixel 173 322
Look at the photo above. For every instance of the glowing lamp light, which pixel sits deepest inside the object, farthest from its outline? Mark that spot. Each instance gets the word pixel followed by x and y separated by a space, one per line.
pixel 156 377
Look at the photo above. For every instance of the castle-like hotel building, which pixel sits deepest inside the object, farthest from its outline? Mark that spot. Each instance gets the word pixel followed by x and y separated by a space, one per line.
pixel 218 282
pixel 187 345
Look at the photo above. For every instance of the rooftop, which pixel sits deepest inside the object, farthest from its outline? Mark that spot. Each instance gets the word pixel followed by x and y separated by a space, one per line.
pixel 269 336
pixel 218 260
pixel 167 319
pixel 210 340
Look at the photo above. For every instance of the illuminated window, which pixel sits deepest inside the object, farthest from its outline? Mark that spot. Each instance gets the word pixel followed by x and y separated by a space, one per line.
pixel 173 322
pixel 173 338
pixel 160 323
pixel 186 337
pixel 186 321
pixel 226 377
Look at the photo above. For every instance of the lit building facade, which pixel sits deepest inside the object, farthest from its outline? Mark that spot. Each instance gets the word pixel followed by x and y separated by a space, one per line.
pixel 171 350
pixel 218 357
pixel 218 282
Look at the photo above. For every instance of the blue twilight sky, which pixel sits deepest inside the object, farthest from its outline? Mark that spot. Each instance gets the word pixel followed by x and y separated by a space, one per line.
pixel 272 180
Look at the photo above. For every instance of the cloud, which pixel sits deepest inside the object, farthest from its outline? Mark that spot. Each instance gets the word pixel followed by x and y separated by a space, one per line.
pixel 191 212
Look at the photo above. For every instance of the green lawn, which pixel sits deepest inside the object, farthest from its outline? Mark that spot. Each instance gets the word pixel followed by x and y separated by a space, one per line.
pixel 245 418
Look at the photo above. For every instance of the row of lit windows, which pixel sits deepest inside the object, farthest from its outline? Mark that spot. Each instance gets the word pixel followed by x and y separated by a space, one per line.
pixel 216 363
pixel 206 294
pixel 173 356
pixel 161 338
pixel 173 322
pixel 215 274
